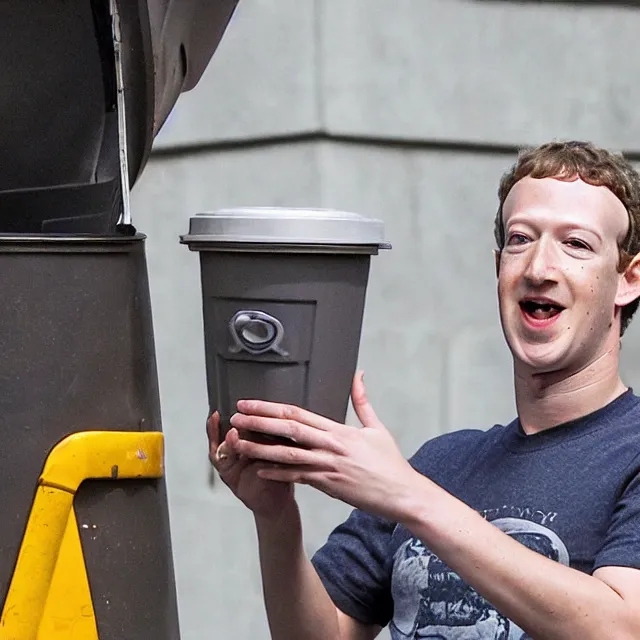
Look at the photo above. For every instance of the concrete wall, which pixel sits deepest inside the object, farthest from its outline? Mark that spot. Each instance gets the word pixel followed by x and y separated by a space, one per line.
pixel 483 71
pixel 408 111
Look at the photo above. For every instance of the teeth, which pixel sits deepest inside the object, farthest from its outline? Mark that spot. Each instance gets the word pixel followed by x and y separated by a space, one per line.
pixel 540 310
pixel 544 312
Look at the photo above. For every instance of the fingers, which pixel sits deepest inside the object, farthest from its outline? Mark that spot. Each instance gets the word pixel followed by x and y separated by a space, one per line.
pixel 285 412
pixel 361 404
pixel 224 456
pixel 299 433
pixel 213 429
pixel 283 455
pixel 297 475
pixel 222 452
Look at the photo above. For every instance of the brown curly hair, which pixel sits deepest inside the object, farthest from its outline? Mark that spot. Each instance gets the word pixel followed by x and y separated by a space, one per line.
pixel 594 165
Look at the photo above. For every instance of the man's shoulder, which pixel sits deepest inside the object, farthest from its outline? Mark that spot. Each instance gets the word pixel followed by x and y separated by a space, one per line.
pixel 455 447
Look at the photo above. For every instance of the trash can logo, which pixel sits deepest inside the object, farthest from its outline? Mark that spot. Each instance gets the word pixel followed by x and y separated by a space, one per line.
pixel 256 333
pixel 432 602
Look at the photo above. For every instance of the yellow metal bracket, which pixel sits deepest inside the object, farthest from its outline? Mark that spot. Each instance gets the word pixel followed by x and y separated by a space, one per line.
pixel 51 537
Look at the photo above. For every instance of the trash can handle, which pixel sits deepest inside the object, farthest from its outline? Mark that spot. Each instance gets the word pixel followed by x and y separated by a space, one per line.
pixel 256 332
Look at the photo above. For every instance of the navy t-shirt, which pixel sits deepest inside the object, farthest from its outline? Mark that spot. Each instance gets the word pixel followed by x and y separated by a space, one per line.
pixel 571 493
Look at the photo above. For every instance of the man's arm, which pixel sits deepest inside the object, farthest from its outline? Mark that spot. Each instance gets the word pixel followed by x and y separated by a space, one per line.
pixel 364 468
pixel 298 605
pixel 546 599
pixel 351 629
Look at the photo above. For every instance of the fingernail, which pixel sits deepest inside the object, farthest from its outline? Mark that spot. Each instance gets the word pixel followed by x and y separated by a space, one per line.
pixel 221 454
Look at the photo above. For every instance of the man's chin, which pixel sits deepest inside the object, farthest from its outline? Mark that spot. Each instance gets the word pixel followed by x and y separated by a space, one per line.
pixel 539 358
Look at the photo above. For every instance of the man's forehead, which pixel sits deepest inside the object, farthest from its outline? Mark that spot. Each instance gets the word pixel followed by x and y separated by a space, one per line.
pixel 573 200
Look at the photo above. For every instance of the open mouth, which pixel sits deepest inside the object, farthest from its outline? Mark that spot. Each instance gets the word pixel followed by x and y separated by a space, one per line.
pixel 540 309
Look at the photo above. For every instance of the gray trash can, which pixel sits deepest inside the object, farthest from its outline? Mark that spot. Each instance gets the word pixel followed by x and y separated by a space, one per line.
pixel 78 355
pixel 283 299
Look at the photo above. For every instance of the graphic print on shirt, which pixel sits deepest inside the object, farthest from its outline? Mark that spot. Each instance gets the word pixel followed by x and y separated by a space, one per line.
pixel 432 602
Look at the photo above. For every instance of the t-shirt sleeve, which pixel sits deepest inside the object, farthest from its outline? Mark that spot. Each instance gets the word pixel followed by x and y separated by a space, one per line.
pixel 354 566
pixel 621 547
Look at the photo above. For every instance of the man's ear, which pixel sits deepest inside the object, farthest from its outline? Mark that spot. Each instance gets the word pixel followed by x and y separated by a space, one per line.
pixel 629 283
pixel 496 256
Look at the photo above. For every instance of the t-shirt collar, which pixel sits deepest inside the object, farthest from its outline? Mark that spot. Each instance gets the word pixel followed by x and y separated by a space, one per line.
pixel 515 439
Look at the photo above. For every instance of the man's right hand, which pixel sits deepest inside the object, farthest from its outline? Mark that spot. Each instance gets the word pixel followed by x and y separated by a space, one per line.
pixel 286 571
pixel 266 498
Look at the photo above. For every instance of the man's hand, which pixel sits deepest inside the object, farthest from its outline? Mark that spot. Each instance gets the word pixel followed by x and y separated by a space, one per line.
pixel 265 498
pixel 298 605
pixel 362 467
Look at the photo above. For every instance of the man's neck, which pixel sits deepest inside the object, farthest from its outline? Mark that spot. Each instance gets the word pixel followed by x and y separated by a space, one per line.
pixel 547 400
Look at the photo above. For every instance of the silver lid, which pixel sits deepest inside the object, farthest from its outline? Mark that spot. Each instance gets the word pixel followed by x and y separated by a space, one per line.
pixel 273 225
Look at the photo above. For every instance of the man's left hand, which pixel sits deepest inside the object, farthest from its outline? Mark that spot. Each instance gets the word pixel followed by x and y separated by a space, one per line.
pixel 362 467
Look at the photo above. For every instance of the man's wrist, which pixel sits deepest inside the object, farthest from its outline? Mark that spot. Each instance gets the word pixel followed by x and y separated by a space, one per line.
pixel 286 520
pixel 419 503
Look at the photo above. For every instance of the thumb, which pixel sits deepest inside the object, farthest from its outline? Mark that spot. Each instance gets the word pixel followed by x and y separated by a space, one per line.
pixel 361 405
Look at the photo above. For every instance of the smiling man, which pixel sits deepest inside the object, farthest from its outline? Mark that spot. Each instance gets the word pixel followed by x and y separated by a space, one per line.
pixel 529 530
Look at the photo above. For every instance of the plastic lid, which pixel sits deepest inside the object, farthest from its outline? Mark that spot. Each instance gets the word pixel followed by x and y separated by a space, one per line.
pixel 266 225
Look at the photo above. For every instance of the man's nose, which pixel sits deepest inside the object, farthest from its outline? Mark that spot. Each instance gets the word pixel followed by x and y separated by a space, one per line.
pixel 542 264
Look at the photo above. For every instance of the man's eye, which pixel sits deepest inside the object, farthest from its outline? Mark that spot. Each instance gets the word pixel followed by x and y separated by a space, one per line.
pixel 517 238
pixel 578 244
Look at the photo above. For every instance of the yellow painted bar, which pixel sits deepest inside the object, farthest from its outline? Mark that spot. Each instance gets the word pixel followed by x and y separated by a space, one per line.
pixel 104 454
pixel 36 563
pixel 80 456
pixel 68 612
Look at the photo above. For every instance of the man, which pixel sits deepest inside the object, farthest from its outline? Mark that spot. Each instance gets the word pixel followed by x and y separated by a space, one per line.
pixel 526 530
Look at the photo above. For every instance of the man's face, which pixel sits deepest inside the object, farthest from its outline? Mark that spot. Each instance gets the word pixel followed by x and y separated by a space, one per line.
pixel 558 283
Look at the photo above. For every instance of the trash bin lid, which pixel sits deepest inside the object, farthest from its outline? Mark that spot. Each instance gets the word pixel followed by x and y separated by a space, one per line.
pixel 285 226
pixel 57 102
